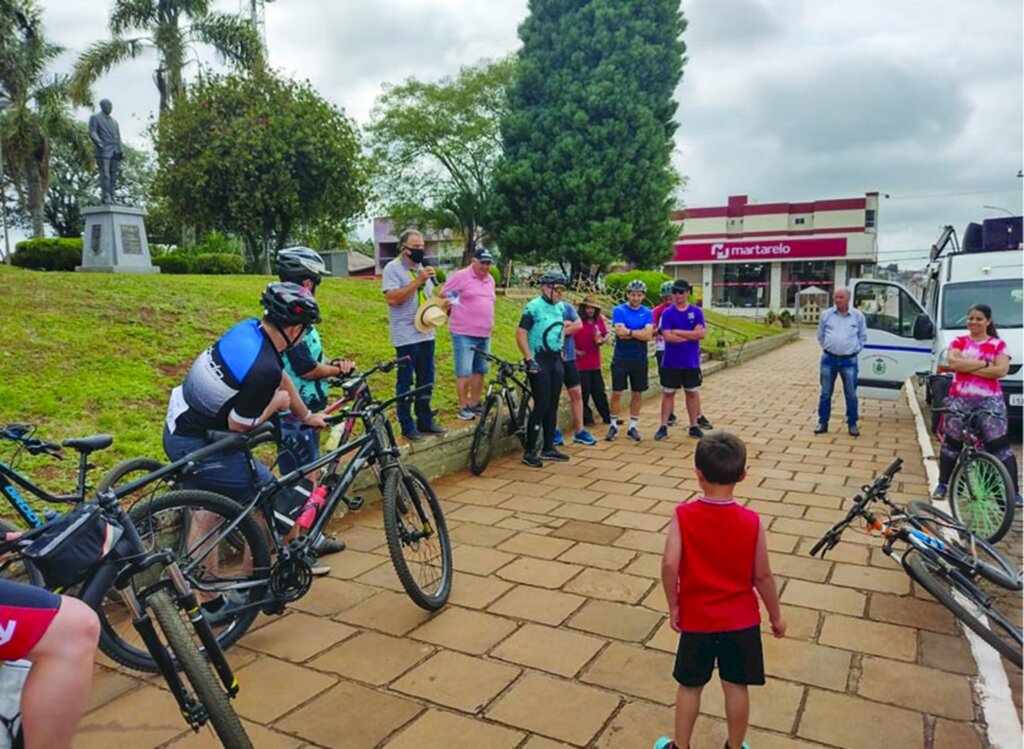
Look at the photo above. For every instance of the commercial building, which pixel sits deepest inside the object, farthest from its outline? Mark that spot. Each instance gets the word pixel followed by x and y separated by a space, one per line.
pixel 747 257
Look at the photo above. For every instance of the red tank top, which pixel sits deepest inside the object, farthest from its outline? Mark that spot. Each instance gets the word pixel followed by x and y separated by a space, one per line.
pixel 716 575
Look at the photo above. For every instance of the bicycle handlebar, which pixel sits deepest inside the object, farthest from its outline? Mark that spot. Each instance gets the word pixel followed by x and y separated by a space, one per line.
pixel 375 408
pixel 871 492
pixel 21 433
pixel 502 363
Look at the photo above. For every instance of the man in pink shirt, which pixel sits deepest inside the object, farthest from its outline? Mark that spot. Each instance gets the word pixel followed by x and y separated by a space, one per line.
pixel 471 294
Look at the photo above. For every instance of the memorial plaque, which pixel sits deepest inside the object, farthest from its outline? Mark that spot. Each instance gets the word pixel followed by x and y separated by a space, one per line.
pixel 131 242
pixel 94 239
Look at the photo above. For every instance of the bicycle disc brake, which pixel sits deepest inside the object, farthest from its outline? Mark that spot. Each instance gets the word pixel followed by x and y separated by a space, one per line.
pixel 290 578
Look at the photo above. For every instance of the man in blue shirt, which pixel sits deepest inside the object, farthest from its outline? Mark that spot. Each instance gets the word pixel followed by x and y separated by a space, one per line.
pixel 633 324
pixel 842 332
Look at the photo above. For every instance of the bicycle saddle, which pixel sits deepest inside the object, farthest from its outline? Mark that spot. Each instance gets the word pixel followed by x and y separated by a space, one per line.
pixel 89 444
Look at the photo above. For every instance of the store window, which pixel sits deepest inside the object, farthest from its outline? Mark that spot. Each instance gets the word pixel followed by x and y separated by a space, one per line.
pixel 870 218
pixel 740 285
pixel 886 307
pixel 797 276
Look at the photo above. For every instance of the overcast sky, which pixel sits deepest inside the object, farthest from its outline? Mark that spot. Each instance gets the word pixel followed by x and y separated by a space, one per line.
pixel 781 100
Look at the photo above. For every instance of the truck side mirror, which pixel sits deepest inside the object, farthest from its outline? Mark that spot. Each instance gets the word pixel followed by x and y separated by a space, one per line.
pixel 924 328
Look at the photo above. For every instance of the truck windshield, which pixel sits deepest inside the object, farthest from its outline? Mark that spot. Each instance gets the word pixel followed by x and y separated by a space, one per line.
pixel 1005 297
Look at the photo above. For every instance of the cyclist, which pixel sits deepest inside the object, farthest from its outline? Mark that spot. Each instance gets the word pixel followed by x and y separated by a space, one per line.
pixel 58 635
pixel 682 327
pixel 633 324
pixel 539 337
pixel 305 365
pixel 573 383
pixel 667 300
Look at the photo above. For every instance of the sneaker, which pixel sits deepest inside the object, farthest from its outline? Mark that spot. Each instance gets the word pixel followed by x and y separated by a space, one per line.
pixel 663 743
pixel 532 460
pixel 1019 501
pixel 702 421
pixel 696 431
pixel 821 429
pixel 555 455
pixel 853 430
pixel 584 437
pixel 328 545
pixel 939 492
pixel 433 429
pixel 466 413
pixel 477 409
pixel 613 432
pixel 223 609
pixel 661 434
pixel 317 568
pixel 558 437
pixel 672 420
pixel 634 434
pixel 413 435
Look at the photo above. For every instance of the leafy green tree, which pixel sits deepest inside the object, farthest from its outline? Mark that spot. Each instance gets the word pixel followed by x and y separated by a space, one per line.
pixel 435 146
pixel 170 28
pixel 586 175
pixel 258 157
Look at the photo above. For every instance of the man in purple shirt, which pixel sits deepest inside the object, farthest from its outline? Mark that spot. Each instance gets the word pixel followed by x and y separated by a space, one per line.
pixel 682 327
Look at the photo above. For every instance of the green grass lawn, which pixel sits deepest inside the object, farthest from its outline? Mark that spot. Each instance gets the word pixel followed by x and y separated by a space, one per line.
pixel 83 353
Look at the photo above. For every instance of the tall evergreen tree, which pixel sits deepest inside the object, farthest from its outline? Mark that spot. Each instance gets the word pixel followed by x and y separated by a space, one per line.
pixel 587 176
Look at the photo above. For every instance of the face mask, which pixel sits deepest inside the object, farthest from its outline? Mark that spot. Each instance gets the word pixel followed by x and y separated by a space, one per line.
pixel 416 254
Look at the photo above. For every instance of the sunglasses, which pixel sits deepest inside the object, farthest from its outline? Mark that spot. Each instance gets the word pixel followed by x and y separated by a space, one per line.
pixel 558 288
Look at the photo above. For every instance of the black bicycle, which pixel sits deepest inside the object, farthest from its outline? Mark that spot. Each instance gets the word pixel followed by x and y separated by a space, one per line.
pixel 943 556
pixel 980 489
pixel 509 389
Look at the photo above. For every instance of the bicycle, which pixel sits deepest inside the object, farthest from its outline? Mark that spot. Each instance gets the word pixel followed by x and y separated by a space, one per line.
pixel 980 488
pixel 414 524
pixel 508 389
pixel 942 555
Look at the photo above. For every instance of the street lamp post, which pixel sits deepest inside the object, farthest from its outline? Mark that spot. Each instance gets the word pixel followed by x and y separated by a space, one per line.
pixel 1007 211
pixel 4 104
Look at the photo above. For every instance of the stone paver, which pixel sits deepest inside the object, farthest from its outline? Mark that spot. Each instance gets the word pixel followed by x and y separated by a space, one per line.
pixel 556 633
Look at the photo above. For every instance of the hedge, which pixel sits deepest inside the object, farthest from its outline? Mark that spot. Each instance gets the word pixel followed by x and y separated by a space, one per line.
pixel 48 253
pixel 615 284
pixel 218 264
pixel 172 263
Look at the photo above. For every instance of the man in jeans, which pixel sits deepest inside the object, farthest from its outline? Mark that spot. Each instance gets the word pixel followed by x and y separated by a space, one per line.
pixel 842 332
pixel 406 284
pixel 470 294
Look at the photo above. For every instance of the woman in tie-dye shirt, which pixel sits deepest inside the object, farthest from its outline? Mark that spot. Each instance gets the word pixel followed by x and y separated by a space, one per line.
pixel 977 360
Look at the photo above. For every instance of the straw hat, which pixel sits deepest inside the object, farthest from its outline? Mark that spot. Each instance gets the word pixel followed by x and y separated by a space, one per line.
pixel 430 315
pixel 591 301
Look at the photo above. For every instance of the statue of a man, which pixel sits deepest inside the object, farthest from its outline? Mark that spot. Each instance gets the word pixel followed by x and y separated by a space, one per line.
pixel 106 135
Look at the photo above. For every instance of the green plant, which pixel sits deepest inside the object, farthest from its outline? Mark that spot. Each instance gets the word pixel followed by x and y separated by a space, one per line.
pixel 218 264
pixel 173 263
pixel 48 253
pixel 615 284
pixel 770 317
pixel 786 318
pixel 496 275
pixel 441 276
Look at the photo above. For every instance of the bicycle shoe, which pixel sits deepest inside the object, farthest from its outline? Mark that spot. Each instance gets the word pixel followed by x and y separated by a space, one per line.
pixel 702 421
pixel 555 455
pixel 661 434
pixel 633 434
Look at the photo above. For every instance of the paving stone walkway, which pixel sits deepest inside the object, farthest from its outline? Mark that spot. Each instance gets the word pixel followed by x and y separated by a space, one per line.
pixel 556 633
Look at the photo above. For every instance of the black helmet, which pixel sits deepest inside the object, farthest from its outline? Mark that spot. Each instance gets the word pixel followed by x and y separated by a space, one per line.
pixel 296 264
pixel 289 304
pixel 553 278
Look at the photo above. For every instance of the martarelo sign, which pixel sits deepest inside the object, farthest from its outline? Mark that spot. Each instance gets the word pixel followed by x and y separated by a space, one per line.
pixel 750 251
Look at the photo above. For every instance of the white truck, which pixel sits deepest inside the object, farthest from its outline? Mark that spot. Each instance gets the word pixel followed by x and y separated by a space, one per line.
pixel 908 337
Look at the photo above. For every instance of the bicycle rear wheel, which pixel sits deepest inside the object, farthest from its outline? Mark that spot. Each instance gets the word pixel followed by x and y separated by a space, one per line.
pixel 485 436
pixel 934 578
pixel 981 496
pixel 417 538
pixel 991 564
pixel 208 689
pixel 190 523
pixel 130 470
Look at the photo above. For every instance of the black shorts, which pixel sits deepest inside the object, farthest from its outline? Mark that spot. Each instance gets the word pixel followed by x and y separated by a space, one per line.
pixel 629 374
pixel 688 378
pixel 738 654
pixel 572 374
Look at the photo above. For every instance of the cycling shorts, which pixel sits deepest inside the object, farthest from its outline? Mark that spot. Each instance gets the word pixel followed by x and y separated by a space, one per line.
pixel 25 614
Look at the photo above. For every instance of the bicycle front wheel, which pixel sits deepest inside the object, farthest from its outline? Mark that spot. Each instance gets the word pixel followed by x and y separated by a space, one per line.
pixel 934 578
pixel 417 538
pixel 521 401
pixel 485 436
pixel 981 496
pixel 208 689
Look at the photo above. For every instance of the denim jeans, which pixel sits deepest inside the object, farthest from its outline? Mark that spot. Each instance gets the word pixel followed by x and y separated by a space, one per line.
pixel 846 368
pixel 421 367
pixel 227 473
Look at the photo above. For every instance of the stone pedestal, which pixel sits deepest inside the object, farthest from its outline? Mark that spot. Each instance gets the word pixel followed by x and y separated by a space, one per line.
pixel 115 240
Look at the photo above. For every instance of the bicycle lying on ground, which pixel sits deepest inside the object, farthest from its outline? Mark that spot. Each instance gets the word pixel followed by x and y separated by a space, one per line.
pixel 940 554
pixel 510 390
pixel 980 489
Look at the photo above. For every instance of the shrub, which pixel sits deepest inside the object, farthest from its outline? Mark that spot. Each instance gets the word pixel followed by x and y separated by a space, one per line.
pixel 496 275
pixel 48 253
pixel 770 317
pixel 218 264
pixel 615 284
pixel 172 263
pixel 786 318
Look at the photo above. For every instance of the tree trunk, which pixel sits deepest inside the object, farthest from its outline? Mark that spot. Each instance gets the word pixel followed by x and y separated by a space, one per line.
pixel 34 183
pixel 469 247
pixel 266 250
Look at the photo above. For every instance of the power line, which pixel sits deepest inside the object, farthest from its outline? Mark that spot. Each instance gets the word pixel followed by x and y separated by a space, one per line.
pixel 889 196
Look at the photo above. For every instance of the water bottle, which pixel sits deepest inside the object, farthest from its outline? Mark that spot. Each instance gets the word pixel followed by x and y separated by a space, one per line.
pixel 50 514
pixel 316 500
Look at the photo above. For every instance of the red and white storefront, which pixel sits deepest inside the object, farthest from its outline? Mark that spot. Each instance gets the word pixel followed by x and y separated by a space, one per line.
pixel 748 257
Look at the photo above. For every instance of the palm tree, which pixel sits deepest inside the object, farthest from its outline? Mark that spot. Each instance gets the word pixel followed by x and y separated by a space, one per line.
pixel 38 112
pixel 171 28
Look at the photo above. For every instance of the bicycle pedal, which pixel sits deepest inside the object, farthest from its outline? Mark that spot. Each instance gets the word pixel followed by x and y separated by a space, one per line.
pixel 355 504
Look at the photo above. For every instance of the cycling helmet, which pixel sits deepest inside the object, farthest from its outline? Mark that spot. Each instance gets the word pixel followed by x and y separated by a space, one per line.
pixel 636 285
pixel 296 264
pixel 553 278
pixel 666 288
pixel 287 303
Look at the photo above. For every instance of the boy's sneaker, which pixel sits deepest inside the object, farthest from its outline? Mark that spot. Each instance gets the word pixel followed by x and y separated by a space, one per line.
pixel 613 432
pixel 696 431
pixel 555 455
pixel 661 434
pixel 672 420
pixel 702 421
pixel 584 437
pixel 558 440
pixel 532 460
pixel 939 492
pixel 466 413
pixel 633 434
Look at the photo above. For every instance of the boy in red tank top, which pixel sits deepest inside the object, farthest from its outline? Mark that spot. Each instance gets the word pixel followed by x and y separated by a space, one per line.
pixel 715 557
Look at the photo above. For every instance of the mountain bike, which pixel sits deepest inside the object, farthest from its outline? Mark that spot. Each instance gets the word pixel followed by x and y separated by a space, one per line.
pixel 942 555
pixel 509 389
pixel 980 488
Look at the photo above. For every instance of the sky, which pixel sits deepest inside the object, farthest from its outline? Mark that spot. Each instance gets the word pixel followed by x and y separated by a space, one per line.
pixel 781 100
